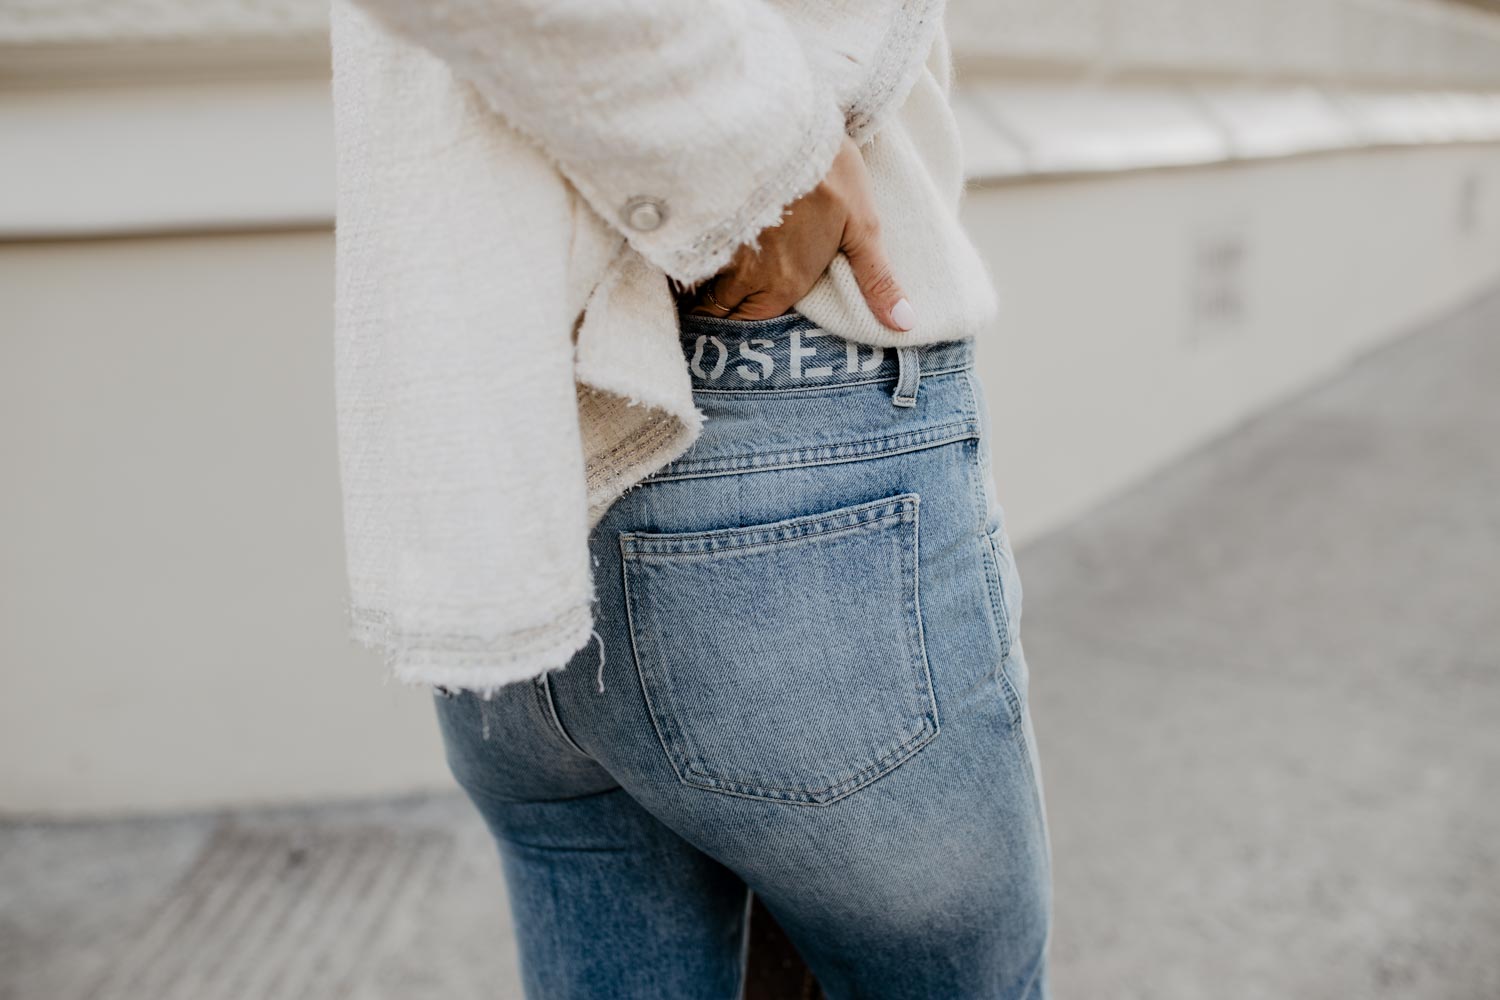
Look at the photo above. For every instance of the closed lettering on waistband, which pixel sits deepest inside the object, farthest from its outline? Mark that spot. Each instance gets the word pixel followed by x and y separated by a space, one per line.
pixel 798 356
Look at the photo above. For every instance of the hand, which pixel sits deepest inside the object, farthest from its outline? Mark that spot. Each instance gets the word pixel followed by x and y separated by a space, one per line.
pixel 837 215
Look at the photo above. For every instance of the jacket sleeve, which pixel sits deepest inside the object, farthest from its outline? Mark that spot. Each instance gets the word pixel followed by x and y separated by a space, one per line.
pixel 687 124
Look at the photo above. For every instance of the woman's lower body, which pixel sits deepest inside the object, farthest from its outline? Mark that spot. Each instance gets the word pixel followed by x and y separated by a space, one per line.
pixel 813 689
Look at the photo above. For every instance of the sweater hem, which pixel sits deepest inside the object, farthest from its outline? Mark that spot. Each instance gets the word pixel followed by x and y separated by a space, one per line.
pixel 766 206
pixel 469 662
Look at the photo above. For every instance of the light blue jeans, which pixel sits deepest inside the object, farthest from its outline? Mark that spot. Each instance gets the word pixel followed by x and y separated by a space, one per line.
pixel 813 690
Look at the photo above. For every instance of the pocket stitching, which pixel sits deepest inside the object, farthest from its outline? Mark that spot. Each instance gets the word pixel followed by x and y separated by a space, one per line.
pixel 821 534
pixel 1003 620
pixel 635 544
pixel 997 594
pixel 905 507
pixel 823 454
pixel 915 742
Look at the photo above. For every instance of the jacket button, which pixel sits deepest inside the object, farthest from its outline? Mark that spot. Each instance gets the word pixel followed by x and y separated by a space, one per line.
pixel 644 214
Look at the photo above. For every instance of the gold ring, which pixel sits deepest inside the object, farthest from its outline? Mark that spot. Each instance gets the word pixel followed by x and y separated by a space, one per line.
pixel 708 293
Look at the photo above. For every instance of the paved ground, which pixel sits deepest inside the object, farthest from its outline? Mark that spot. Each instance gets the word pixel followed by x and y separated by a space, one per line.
pixel 1268 690
pixel 1267 687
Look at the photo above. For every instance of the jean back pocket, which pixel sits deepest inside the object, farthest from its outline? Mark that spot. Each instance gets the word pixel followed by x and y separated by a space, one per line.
pixel 784 660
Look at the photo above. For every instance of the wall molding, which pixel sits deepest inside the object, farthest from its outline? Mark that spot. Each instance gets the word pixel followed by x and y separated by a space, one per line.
pixel 1017 130
pixel 1378 43
pixel 246 155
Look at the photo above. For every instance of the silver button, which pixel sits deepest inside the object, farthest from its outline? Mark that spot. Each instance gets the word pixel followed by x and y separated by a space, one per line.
pixel 644 214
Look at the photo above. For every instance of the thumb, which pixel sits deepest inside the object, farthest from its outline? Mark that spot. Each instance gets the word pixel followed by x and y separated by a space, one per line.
pixel 872 271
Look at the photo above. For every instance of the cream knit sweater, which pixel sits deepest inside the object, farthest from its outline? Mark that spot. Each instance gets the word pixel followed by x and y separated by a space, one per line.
pixel 506 339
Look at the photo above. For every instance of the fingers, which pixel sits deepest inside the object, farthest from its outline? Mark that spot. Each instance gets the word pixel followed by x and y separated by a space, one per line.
pixel 744 292
pixel 713 299
pixel 872 271
pixel 770 283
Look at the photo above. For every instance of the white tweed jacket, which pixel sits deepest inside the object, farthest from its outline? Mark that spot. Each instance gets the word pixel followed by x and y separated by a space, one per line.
pixel 518 180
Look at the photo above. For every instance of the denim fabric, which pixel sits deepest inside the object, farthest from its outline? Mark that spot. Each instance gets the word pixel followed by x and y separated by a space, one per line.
pixel 814 689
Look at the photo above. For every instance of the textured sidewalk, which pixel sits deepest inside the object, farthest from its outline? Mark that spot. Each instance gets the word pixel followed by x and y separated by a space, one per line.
pixel 1267 689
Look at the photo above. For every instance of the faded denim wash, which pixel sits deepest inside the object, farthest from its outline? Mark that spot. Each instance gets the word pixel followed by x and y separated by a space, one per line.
pixel 813 689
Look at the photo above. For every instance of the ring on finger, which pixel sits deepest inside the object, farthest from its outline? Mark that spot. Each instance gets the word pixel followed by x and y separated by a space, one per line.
pixel 708 293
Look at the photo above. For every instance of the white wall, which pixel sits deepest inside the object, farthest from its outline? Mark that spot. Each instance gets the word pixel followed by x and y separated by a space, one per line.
pixel 1363 42
pixel 1102 368
pixel 171 574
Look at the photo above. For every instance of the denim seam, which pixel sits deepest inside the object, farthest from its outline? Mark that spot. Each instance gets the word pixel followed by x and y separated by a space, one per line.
pixel 828 454
pixel 857 447
pixel 722 324
pixel 997 595
pixel 784 466
pixel 637 549
pixel 549 706
pixel 916 613
pixel 853 514
pixel 814 803
pixel 822 386
pixel 924 735
pixel 1000 613
pixel 635 653
pixel 1002 606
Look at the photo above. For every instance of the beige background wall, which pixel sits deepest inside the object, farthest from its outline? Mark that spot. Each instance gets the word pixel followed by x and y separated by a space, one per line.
pixel 170 603
pixel 1104 364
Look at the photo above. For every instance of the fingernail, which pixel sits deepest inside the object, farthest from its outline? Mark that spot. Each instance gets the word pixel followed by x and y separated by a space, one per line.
pixel 903 315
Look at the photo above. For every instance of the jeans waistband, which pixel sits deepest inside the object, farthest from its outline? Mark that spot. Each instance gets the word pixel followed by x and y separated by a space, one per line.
pixel 793 352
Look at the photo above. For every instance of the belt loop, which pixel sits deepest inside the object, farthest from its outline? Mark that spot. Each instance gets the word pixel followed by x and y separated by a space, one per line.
pixel 909 375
